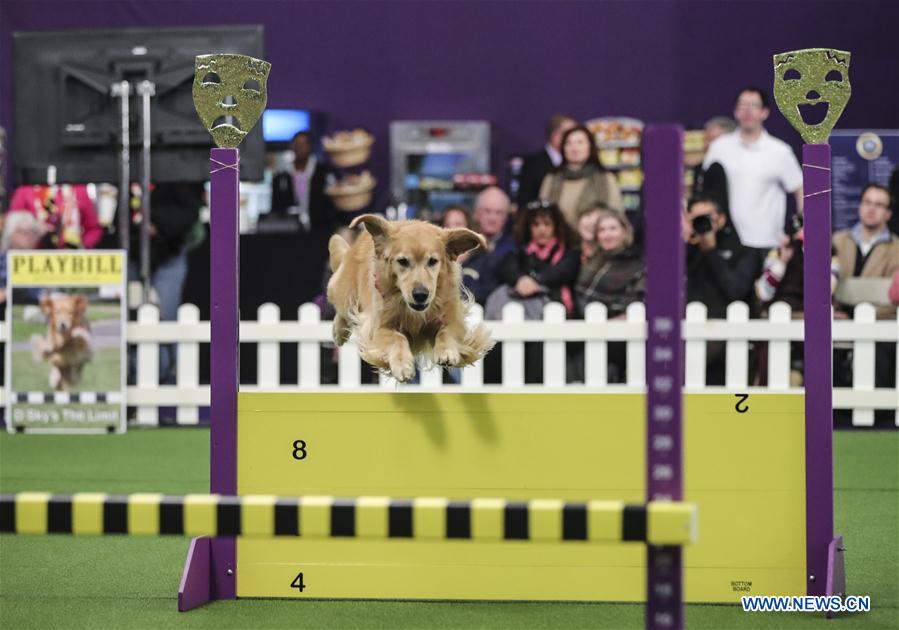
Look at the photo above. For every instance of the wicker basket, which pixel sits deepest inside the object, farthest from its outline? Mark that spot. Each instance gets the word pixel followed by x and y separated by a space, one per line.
pixel 349 154
pixel 351 199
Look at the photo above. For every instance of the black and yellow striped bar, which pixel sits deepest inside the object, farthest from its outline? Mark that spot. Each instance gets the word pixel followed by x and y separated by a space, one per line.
pixel 424 518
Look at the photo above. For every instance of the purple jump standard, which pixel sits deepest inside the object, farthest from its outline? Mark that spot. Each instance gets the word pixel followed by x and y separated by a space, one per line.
pixel 211 569
pixel 662 194
pixel 824 553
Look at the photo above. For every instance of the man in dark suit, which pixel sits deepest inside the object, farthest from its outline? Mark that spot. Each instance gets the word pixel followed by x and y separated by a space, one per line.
pixel 535 167
pixel 303 187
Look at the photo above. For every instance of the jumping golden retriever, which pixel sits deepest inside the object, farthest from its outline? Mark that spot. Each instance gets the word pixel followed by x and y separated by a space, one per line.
pixel 399 288
pixel 67 346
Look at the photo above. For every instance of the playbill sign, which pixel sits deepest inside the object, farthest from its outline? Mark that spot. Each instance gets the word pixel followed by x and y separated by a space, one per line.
pixel 65 354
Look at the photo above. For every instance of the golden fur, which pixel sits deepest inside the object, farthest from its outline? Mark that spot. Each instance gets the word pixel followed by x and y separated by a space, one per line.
pixel 378 287
pixel 67 346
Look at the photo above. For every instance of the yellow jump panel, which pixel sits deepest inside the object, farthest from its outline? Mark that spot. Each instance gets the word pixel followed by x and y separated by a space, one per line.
pixel 745 470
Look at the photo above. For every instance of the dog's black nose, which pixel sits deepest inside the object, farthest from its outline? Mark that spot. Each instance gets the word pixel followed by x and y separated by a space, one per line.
pixel 420 294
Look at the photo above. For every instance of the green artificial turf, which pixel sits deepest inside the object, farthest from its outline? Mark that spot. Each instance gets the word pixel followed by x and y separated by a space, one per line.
pixel 111 582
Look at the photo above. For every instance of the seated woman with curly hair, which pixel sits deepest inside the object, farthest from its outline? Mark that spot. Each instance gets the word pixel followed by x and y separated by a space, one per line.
pixel 542 268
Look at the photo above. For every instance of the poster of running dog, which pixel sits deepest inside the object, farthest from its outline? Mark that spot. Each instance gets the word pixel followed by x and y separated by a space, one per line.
pixel 65 354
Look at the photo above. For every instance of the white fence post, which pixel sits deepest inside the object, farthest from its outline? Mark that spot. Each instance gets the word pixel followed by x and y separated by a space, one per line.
pixel 473 375
pixel 636 360
pixel 596 358
pixel 779 351
pixel 554 351
pixel 863 365
pixel 897 367
pixel 736 375
pixel 349 366
pixel 268 353
pixel 188 367
pixel 695 348
pixel 513 351
pixel 148 365
pixel 309 352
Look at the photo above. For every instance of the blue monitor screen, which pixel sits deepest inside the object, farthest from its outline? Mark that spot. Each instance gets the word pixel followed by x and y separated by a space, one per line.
pixel 279 125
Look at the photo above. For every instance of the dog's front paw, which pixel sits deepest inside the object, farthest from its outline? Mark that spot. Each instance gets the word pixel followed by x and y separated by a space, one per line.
pixel 402 368
pixel 447 355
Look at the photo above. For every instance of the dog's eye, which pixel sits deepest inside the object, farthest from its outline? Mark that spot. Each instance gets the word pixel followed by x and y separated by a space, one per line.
pixel 403 262
pixel 432 261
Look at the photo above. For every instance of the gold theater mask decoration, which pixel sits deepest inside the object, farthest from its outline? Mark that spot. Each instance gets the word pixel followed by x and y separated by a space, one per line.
pixel 811 88
pixel 230 94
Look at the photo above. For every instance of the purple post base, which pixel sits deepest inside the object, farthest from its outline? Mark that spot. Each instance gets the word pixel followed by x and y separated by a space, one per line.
pixel 196 587
pixel 197 584
pixel 836 570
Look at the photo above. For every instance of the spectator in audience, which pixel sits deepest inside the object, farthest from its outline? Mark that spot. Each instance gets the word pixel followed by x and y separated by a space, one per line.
pixel 20 231
pixel 301 189
pixel 893 186
pixel 614 275
pixel 868 249
pixel 894 290
pixel 479 268
pixel 455 217
pixel 586 231
pixel 537 166
pixel 720 270
pixel 544 265
pixel 580 183
pixel 782 272
pixel 174 231
pixel 542 268
pixel 712 181
pixel 760 170
pixel 65 213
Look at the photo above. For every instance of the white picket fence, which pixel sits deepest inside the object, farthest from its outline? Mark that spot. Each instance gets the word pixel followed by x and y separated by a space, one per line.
pixel 309 332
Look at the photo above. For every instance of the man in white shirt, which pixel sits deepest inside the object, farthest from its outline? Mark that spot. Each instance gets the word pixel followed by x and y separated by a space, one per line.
pixel 760 171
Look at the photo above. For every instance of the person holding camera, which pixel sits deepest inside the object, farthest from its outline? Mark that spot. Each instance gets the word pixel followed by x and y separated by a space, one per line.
pixel 720 270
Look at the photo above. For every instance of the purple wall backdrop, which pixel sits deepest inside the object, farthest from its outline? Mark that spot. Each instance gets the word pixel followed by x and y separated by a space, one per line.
pixel 513 63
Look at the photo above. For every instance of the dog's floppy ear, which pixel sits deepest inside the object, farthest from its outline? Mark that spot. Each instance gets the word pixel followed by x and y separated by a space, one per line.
pixel 377 226
pixel 80 304
pixel 460 240
pixel 46 305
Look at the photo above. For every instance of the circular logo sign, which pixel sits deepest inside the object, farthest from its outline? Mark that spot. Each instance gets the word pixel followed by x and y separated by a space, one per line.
pixel 869 146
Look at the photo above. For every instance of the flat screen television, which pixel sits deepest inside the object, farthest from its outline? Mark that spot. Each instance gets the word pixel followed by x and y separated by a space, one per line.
pixel 280 125
pixel 64 114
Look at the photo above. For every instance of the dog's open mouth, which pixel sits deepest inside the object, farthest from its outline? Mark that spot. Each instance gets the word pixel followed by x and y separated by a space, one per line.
pixel 419 307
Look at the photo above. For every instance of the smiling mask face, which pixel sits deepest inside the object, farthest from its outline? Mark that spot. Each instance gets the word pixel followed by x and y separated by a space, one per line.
pixel 230 95
pixel 811 88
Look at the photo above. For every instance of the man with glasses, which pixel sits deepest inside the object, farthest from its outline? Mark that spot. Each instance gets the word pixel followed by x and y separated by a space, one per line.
pixel 868 249
pixel 760 169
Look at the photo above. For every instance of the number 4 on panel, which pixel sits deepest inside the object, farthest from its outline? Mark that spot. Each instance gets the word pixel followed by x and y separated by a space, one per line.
pixel 298 583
